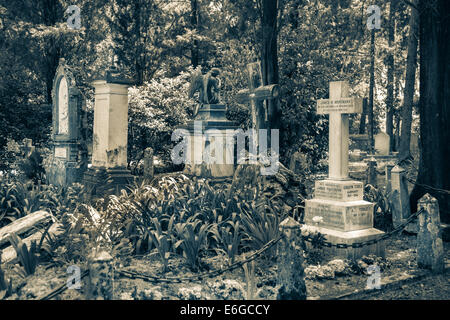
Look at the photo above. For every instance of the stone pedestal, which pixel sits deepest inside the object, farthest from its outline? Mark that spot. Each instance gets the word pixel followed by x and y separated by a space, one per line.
pixel 210 143
pixel 109 152
pixel 346 217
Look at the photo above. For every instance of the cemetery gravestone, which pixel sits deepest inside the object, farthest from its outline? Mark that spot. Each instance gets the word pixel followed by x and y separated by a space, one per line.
pixel 382 143
pixel 69 157
pixel 430 248
pixel 109 152
pixel 148 163
pixel 346 217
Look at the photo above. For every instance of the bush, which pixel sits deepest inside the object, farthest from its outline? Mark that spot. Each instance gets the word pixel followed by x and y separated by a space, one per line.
pixel 155 109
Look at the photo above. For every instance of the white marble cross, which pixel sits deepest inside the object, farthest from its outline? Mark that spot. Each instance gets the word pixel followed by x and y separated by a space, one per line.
pixel 338 107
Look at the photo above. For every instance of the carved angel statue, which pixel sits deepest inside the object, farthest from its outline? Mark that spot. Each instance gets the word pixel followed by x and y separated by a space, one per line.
pixel 207 86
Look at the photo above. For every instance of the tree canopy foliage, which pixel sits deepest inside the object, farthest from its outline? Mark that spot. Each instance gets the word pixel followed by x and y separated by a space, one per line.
pixel 159 41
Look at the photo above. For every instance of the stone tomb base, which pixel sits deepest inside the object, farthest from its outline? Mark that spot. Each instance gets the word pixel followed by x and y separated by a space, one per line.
pixel 101 181
pixel 350 237
pixel 338 215
pixel 345 217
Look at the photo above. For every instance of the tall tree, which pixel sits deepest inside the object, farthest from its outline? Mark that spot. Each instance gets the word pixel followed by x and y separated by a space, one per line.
pixel 269 57
pixel 371 88
pixel 434 105
pixel 390 74
pixel 194 26
pixel 411 65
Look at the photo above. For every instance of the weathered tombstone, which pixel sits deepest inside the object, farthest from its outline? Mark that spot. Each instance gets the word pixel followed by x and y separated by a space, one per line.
pixel 69 158
pixel 148 163
pixel 290 279
pixel 430 250
pixel 346 217
pixel 101 276
pixel 209 138
pixel 372 172
pixel 109 152
pixel 382 143
pixel 400 196
pixel 388 173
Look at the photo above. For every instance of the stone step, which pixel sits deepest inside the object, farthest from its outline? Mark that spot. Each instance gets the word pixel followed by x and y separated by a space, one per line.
pixel 350 237
pixel 338 215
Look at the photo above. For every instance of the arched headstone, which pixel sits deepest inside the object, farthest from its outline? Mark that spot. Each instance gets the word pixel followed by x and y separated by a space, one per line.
pixel 69 153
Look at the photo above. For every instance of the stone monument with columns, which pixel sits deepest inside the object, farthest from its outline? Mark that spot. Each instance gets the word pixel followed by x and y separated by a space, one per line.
pixel 109 146
pixel 338 200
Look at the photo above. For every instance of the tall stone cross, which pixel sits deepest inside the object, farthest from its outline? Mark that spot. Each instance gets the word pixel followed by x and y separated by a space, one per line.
pixel 338 106
pixel 256 94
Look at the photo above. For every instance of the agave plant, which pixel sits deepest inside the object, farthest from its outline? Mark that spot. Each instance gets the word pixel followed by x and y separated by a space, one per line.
pixel 192 235
pixel 260 224
pixel 229 236
pixel 5 286
pixel 27 258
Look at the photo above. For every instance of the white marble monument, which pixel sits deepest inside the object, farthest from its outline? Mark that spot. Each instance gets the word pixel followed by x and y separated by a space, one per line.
pixel 346 217
pixel 109 151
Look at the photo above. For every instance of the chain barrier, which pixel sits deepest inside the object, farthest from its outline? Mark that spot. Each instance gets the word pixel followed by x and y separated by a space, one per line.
pixel 155 279
pixel 368 242
pixel 253 256
pixel 427 186
pixel 238 264
pixel 204 275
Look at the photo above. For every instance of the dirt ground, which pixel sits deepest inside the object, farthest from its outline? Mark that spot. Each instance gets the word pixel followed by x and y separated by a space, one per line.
pixel 399 264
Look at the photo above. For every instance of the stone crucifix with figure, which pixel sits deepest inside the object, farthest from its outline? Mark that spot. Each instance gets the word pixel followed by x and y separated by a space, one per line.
pixel 256 94
pixel 338 210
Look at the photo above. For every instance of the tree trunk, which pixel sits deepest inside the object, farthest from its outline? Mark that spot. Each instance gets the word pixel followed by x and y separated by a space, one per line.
pixel 411 61
pixel 140 50
pixel 194 26
pixel 434 105
pixel 362 123
pixel 269 59
pixel 390 76
pixel 371 89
